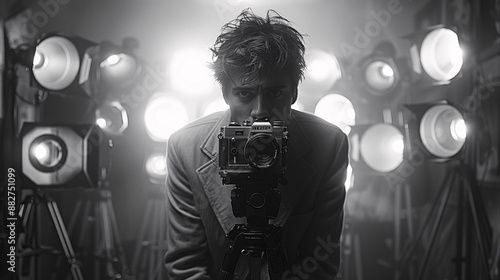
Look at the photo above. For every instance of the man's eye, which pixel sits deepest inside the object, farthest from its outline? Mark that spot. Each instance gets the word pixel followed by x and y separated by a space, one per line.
pixel 243 94
pixel 276 93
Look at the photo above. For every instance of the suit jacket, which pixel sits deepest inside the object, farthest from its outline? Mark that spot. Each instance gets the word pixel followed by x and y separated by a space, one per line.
pixel 311 210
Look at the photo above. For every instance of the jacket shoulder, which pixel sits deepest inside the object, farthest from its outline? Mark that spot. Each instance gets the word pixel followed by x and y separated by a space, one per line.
pixel 201 126
pixel 311 123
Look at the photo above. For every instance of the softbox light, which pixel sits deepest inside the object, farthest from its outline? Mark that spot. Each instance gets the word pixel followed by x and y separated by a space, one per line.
pixel 62 156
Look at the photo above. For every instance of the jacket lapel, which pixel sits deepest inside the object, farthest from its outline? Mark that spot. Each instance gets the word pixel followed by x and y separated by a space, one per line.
pixel 219 195
pixel 299 174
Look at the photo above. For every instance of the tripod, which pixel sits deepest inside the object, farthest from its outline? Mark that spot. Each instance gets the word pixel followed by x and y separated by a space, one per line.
pixel 478 215
pixel 99 225
pixel 27 212
pixel 150 248
pixel 258 201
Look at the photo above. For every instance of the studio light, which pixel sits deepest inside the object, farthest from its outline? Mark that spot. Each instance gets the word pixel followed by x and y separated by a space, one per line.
pixel 47 153
pixel 190 73
pixel 380 76
pixel 115 66
pixel 156 167
pixel 439 55
pixel 322 72
pixel 57 61
pixel 112 118
pixel 379 73
pixel 440 127
pixel 338 110
pixel 164 115
pixel 61 156
pixel 378 147
pixel 119 69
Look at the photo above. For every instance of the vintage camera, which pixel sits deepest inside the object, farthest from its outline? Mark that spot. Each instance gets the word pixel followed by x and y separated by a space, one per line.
pixel 252 151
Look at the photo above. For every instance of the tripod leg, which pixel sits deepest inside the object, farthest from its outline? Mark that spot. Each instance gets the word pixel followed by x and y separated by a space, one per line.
pixel 64 238
pixel 25 211
pixel 275 253
pixel 154 239
pixel 163 236
pixel 111 238
pixel 483 229
pixel 409 252
pixel 255 265
pixel 118 243
pixel 358 263
pixel 107 238
pixel 277 263
pixel 397 229
pixel 435 228
pixel 496 264
pixel 233 252
pixel 142 237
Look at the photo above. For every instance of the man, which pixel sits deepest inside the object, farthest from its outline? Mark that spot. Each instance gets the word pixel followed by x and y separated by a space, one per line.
pixel 258 63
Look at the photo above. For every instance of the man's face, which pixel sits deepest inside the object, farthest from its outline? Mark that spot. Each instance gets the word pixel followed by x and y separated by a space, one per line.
pixel 271 98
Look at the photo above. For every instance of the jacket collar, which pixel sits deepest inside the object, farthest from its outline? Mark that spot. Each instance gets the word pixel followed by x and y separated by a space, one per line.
pixel 219 194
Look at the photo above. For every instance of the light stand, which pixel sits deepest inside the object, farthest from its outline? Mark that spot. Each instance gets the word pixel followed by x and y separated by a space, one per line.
pixel 95 209
pixel 483 231
pixel 29 246
pixel 401 191
pixel 352 262
pixel 147 262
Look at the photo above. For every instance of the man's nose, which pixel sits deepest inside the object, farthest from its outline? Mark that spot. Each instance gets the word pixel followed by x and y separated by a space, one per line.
pixel 260 108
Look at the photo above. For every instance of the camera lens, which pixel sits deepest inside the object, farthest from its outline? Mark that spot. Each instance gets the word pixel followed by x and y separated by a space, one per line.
pixel 261 151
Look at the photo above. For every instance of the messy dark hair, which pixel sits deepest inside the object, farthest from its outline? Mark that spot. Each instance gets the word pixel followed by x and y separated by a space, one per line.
pixel 250 47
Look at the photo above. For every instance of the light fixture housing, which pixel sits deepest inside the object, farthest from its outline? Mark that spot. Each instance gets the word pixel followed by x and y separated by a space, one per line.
pixel 115 66
pixel 376 148
pixel 337 109
pixel 164 115
pixel 62 156
pixel 438 129
pixel 190 74
pixel 155 166
pixel 322 72
pixel 112 118
pixel 57 61
pixel 436 55
pixel 379 74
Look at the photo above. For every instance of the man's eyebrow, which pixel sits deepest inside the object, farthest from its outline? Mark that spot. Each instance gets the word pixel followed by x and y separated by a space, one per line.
pixel 243 88
pixel 278 86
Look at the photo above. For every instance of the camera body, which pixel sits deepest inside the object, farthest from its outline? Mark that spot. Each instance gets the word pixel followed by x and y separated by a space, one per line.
pixel 253 151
